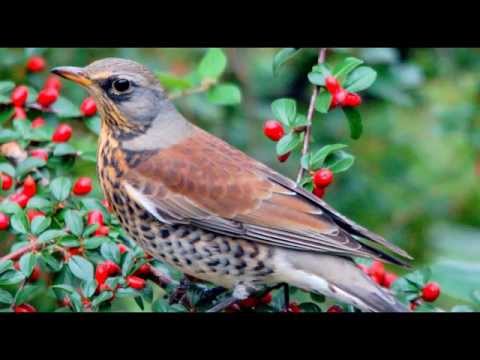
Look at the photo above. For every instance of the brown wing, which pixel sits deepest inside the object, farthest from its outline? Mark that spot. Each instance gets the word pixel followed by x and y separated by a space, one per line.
pixel 205 182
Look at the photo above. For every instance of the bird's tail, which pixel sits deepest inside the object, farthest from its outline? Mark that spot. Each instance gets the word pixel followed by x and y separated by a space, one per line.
pixel 336 277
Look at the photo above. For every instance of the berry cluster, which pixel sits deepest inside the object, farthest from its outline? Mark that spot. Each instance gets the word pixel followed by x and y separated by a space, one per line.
pixel 340 96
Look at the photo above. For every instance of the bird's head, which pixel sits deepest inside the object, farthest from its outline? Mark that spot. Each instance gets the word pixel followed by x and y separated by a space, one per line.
pixel 128 95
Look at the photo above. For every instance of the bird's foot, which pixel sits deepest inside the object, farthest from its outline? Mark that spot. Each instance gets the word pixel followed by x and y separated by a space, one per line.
pixel 179 295
pixel 240 292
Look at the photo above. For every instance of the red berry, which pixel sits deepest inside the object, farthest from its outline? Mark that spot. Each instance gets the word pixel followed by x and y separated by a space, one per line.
pixel 4 221
pixel 388 279
pixel 233 308
pixel 266 299
pixel 338 98
pixel 36 64
pixel 95 217
pixel 319 192
pixel 62 133
pixel 75 251
pixel 53 81
pixel 122 248
pixel 143 270
pixel 332 84
pixel 20 198
pixel 431 292
pixel 24 308
pixel 102 231
pixel 39 153
pixel 47 97
pixel 413 305
pixel 7 181
pixel 322 178
pixel 33 213
pixel 19 96
pixel 294 308
pixel 38 122
pixel 29 186
pixel 35 275
pixel 19 113
pixel 352 100
pixel 82 186
pixel 66 301
pixel 283 158
pixel 88 107
pixel 377 271
pixel 273 130
pixel 334 309
pixel 248 303
pixel 135 282
pixel 105 270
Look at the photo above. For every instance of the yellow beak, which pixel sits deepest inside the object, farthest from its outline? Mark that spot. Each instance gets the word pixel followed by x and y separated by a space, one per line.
pixel 75 74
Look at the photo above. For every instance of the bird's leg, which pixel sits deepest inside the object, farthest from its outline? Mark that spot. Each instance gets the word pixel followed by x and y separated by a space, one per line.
pixel 286 296
pixel 180 292
pixel 240 292
pixel 209 295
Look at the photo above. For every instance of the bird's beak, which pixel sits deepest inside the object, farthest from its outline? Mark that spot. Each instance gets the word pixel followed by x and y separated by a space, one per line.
pixel 75 74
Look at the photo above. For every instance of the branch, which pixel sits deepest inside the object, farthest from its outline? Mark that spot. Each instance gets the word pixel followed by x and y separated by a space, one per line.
pixel 23 250
pixel 204 86
pixel 161 279
pixel 311 109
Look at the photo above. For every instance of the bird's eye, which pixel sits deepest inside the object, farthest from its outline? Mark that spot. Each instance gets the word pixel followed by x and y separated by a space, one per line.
pixel 121 85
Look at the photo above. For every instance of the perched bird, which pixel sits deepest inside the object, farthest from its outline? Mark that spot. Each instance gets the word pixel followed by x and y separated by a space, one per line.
pixel 209 210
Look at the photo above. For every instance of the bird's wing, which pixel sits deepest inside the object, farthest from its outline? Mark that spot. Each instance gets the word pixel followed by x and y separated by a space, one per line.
pixel 205 182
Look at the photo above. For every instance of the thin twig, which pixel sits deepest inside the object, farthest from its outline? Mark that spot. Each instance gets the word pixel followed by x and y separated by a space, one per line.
pixel 160 278
pixel 311 109
pixel 23 250
pixel 204 86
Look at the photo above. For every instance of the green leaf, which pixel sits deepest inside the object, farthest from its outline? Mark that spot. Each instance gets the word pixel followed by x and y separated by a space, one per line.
pixel 90 229
pixel 27 262
pixel 6 87
pixel 361 79
pixel 224 94
pixel 305 161
pixel 316 78
pixel 172 83
pixel 213 64
pixel 40 203
pixel 81 268
pixel 23 128
pixel 64 108
pixel 11 278
pixel 60 188
pixel 110 251
pixel 288 143
pixel 93 242
pixel 89 287
pixel 6 265
pixel 7 168
pixel 355 121
pixel 317 297
pixel 104 296
pixel 161 305
pixel 340 161
pixel 281 57
pixel 7 135
pixel 322 69
pixel 52 262
pixel 346 67
pixel 40 224
pixel 94 124
pixel 28 165
pixel 64 149
pixel 5 297
pixel 322 104
pixel 69 241
pixel 300 120
pixel 27 293
pixel 462 308
pixel 9 207
pixel 318 158
pixel 128 263
pixel 51 235
pixel 74 222
pixel 126 292
pixel 65 287
pixel 19 222
pixel 285 110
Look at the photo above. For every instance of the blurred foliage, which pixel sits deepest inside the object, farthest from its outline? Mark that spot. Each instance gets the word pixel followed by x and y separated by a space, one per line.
pixel 416 175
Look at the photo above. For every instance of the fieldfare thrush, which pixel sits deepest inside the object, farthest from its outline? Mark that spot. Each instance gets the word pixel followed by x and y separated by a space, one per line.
pixel 209 210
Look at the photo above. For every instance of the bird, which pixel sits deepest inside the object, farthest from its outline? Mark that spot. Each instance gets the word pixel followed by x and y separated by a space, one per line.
pixel 195 202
